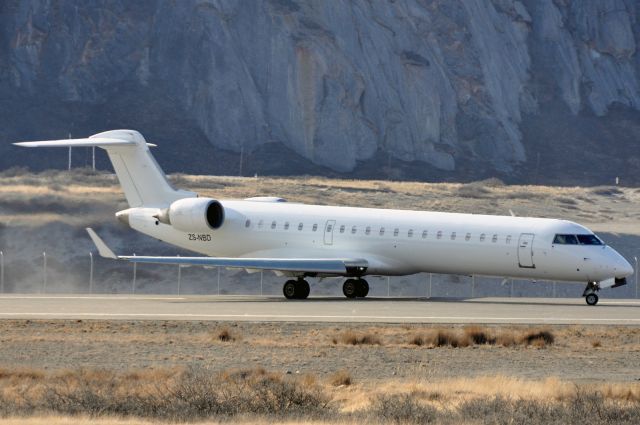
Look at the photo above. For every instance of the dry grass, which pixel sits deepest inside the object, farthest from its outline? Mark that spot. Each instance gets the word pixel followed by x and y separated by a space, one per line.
pixel 341 378
pixel 354 338
pixel 225 335
pixel 476 335
pixel 259 396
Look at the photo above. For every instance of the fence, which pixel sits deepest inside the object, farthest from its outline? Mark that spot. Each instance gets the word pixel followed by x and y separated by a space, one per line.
pixel 120 277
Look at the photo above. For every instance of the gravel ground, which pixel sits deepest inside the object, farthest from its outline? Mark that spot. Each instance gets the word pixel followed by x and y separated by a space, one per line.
pixel 579 353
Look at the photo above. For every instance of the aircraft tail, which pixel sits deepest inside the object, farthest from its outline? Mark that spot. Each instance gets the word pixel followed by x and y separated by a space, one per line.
pixel 142 180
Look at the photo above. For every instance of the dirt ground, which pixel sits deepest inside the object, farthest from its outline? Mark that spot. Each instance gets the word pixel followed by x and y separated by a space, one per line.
pixel 587 354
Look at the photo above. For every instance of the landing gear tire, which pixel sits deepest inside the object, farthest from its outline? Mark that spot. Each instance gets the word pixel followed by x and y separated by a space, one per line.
pixel 289 289
pixel 305 290
pixel 296 289
pixel 363 288
pixel 350 288
pixel 590 293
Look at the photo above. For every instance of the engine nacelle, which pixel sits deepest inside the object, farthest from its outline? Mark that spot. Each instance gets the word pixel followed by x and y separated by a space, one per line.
pixel 194 215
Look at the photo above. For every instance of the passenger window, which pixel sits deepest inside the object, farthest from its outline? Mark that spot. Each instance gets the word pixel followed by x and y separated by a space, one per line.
pixel 273 224
pixel 396 231
pixel 467 237
pixel 508 239
pixel 260 223
pixel 342 229
pixel 354 229
pixel 424 234
pixel 565 240
pixel 286 225
pixel 382 231
pixel 329 228
pixel 453 236
pixel 439 234
pixel 494 239
pixel 482 237
pixel 300 226
pixel 247 223
pixel 367 231
pixel 410 233
pixel 315 227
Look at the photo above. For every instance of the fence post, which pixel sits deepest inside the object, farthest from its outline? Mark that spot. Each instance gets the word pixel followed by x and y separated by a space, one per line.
pixel 2 272
pixel 91 272
pixel 430 282
pixel 135 272
pixel 218 280
pixel 554 289
pixel 511 289
pixel 636 275
pixel 44 272
pixel 179 277
pixel 388 286
pixel 261 280
pixel 473 286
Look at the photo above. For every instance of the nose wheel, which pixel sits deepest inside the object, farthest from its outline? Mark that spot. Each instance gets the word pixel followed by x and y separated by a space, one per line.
pixel 590 293
pixel 296 289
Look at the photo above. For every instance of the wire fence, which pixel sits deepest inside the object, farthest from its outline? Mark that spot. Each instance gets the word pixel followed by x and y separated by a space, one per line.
pixel 91 274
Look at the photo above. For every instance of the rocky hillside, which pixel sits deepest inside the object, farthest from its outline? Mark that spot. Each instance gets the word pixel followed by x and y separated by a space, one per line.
pixel 533 90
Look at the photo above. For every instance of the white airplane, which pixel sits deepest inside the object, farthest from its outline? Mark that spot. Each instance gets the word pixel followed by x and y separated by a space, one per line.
pixel 299 241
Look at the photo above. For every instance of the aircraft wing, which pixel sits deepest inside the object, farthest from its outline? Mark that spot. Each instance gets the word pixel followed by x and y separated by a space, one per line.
pixel 331 266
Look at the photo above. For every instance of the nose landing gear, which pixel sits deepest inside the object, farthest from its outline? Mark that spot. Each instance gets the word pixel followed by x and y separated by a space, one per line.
pixel 590 293
pixel 296 289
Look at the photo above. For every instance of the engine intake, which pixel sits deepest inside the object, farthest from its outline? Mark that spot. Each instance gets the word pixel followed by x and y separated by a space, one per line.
pixel 193 215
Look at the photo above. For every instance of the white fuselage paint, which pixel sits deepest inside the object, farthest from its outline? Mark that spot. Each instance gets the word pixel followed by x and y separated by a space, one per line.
pixel 519 247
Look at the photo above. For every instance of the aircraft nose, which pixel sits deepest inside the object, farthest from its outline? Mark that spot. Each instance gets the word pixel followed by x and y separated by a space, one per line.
pixel 624 269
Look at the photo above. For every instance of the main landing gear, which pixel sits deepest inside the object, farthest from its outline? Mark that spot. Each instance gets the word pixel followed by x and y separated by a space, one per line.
pixel 590 293
pixel 296 289
pixel 353 288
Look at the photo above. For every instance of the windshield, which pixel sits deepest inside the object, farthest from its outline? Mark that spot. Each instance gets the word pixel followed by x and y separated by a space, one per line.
pixel 576 240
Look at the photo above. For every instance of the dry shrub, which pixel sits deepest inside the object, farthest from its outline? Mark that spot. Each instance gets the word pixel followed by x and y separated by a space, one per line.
pixel 225 335
pixel 506 339
pixel 538 339
pixel 353 338
pixel 341 378
pixel 179 397
pixel 403 409
pixel 596 343
pixel 478 335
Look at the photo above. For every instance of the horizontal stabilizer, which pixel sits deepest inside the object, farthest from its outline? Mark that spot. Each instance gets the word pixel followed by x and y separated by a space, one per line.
pixel 102 247
pixel 331 266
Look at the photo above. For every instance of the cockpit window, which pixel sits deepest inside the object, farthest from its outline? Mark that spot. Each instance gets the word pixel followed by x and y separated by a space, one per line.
pixel 577 239
pixel 565 240
pixel 589 240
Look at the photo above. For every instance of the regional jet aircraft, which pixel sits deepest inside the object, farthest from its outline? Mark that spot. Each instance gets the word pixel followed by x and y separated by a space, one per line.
pixel 300 241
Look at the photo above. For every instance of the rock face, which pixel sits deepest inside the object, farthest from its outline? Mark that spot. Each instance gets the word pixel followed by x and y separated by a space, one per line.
pixel 467 89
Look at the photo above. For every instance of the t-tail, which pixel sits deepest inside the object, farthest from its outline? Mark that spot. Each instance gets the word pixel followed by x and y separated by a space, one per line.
pixel 142 180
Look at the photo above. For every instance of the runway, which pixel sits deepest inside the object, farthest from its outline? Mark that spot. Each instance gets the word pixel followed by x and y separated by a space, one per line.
pixel 274 309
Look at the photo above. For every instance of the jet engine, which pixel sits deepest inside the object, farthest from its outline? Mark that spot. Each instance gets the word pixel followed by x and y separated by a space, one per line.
pixel 193 215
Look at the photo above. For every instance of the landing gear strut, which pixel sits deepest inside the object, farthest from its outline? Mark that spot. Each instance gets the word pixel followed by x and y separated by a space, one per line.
pixel 353 288
pixel 296 289
pixel 590 293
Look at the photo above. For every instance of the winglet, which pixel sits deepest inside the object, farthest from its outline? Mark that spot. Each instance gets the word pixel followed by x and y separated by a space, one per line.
pixel 103 249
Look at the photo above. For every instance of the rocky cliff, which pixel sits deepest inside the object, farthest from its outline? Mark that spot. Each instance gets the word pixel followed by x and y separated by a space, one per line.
pixel 530 90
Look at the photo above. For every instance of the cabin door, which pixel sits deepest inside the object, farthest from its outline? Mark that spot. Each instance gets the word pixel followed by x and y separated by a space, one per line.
pixel 525 250
pixel 328 232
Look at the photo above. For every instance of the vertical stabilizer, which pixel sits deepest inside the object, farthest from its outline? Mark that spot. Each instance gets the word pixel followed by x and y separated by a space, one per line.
pixel 142 180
